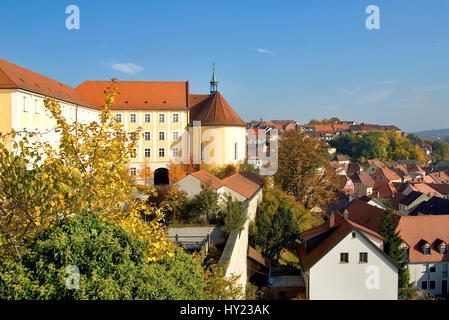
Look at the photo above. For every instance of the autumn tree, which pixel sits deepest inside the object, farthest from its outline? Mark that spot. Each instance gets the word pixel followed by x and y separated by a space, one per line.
pixel 279 222
pixel 382 145
pixel 303 170
pixel 224 171
pixel 41 184
pixel 145 172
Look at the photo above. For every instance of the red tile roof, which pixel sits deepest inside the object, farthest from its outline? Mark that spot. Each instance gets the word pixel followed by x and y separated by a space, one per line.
pixel 384 189
pixel 389 174
pixel 258 257
pixel 336 234
pixel 13 76
pixel 363 178
pixel 430 228
pixel 244 183
pixel 143 95
pixel 365 214
pixel 208 178
pixel 426 189
pixel 215 111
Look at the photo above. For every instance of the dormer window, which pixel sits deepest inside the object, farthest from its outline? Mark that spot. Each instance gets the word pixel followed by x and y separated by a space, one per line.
pixel 426 250
pixel 443 249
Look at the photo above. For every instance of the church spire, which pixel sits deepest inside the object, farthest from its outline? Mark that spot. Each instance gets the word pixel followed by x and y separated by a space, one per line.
pixel 213 82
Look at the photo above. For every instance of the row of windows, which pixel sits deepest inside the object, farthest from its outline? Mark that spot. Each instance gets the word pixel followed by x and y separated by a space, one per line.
pixel 161 135
pixel 147 117
pixel 161 153
pixel 38 106
pixel 363 257
pixel 424 284
pixel 427 248
pixel 433 268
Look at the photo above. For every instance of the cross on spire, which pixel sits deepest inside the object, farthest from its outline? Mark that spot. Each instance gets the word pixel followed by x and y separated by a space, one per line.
pixel 213 82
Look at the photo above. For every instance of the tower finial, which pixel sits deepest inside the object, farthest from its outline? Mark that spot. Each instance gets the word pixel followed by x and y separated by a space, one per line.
pixel 213 82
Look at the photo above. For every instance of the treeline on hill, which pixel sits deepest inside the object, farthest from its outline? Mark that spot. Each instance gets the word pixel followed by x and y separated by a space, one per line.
pixel 333 120
pixel 440 148
pixel 382 145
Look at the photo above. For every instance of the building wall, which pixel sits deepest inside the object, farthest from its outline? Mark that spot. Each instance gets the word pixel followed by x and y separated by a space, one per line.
pixel 236 250
pixel 418 274
pixel 332 280
pixel 190 185
pixel 219 145
pixel 154 127
pixel 5 111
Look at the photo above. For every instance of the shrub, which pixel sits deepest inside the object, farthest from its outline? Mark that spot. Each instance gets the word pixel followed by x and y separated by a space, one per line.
pixel 112 265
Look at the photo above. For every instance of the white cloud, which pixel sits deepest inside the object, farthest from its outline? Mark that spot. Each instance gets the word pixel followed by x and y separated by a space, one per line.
pixel 128 68
pixel 376 96
pixel 266 51
pixel 349 92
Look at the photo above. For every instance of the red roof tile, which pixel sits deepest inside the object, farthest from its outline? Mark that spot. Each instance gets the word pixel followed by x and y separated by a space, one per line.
pixel 215 111
pixel 143 95
pixel 208 178
pixel 13 76
pixel 389 174
pixel 336 234
pixel 365 214
pixel 244 183
pixel 431 228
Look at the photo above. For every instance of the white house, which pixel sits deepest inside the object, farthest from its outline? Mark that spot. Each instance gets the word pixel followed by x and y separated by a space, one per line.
pixel 344 261
pixel 426 238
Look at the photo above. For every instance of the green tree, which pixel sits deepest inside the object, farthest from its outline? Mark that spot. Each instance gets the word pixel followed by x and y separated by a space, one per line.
pixel 279 222
pixel 233 216
pixel 205 204
pixel 382 145
pixel 112 264
pixel 392 247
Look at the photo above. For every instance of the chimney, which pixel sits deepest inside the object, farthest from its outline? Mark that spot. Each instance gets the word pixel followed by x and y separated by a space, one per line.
pixel 332 220
pixel 345 213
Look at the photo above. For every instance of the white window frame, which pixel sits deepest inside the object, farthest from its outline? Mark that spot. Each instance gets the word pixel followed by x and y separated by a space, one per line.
pixel 149 153
pixel 145 135
pixel 163 117
pixel 236 151
pixel 177 135
pixel 36 106
pixel 145 117
pixel 177 118
pixel 159 135
pixel 24 104
pixel 175 154
pixel 159 152
pixel 131 115
pixel 133 171
pixel 118 117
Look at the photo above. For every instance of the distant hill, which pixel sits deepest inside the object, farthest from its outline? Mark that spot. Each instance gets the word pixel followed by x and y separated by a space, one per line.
pixel 440 134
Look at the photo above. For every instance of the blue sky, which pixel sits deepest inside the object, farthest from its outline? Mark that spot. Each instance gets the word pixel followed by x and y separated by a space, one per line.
pixel 275 59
